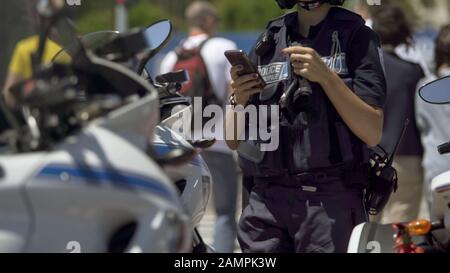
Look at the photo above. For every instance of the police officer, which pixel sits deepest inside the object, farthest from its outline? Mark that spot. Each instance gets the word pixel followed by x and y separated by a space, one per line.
pixel 323 68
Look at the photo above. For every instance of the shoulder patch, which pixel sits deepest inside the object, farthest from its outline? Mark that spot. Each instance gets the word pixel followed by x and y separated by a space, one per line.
pixel 274 72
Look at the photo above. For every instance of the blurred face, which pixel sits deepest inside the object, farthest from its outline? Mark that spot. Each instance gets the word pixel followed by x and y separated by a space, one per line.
pixel 211 24
pixel 57 4
pixel 309 4
pixel 49 7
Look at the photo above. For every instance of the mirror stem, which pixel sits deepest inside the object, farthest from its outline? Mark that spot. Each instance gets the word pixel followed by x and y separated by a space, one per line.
pixel 36 58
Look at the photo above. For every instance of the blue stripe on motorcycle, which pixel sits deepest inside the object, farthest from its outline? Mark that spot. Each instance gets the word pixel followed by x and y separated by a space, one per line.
pixel 104 176
pixel 162 149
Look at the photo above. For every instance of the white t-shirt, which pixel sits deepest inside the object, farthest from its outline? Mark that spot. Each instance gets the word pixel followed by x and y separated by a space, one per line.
pixel 216 63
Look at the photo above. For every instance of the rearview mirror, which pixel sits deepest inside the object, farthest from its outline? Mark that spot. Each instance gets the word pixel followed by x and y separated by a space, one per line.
pixel 437 92
pixel 157 36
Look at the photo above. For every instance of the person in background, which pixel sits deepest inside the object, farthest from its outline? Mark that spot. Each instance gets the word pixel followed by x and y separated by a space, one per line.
pixel 203 21
pixel 432 120
pixel 411 50
pixel 402 78
pixel 20 67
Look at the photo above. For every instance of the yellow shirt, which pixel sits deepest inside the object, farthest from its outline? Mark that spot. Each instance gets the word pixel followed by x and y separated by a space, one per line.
pixel 21 61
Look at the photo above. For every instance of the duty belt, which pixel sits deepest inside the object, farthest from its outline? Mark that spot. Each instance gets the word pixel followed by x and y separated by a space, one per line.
pixel 324 180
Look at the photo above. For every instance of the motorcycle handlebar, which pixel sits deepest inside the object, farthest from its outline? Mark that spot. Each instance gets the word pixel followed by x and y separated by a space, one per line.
pixel 180 77
pixel 444 148
pixel 176 156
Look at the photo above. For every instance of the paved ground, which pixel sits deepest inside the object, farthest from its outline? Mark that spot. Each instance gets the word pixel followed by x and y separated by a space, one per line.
pixel 206 228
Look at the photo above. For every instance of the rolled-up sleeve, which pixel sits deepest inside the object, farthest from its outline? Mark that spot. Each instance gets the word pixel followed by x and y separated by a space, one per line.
pixel 367 68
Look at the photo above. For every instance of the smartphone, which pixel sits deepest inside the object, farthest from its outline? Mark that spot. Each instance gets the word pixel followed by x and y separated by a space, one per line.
pixel 239 57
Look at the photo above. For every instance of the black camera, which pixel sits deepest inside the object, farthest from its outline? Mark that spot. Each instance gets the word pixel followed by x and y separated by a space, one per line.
pixel 297 98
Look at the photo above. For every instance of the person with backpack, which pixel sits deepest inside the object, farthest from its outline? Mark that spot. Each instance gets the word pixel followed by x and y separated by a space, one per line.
pixel 202 55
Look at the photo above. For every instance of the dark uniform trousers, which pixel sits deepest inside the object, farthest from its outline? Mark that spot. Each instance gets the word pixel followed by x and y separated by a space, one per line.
pixel 314 218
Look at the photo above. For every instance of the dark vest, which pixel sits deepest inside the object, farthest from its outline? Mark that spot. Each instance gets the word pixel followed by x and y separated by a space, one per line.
pixel 317 139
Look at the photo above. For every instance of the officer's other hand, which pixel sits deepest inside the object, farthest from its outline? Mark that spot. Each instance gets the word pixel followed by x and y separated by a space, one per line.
pixel 308 64
pixel 244 86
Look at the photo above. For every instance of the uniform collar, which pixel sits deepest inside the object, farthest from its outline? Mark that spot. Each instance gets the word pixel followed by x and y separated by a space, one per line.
pixel 291 23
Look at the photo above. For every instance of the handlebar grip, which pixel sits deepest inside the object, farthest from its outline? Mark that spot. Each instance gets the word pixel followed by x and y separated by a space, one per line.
pixel 180 76
pixel 203 143
pixel 175 157
pixel 444 148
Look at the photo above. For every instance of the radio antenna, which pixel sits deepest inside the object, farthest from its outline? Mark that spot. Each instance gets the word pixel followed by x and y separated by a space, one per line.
pixel 405 127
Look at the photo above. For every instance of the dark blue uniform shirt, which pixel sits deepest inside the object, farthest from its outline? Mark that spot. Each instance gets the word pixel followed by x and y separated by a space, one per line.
pixel 364 62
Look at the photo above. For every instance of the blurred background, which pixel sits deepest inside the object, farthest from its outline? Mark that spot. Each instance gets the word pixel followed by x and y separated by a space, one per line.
pixel 241 21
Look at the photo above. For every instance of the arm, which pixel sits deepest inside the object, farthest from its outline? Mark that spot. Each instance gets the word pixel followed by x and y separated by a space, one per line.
pixel 19 69
pixel 231 122
pixel 243 88
pixel 168 63
pixel 361 108
pixel 364 120
pixel 11 79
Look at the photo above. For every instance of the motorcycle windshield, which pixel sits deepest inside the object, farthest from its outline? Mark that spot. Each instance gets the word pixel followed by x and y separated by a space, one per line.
pixel 90 41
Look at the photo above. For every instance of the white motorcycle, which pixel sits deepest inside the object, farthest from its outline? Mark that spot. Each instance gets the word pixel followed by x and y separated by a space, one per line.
pixel 180 159
pixel 74 174
pixel 418 236
pixel 193 179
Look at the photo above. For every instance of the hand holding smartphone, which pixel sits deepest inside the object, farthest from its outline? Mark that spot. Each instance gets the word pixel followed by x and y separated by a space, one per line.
pixel 238 57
